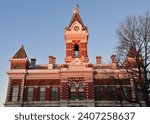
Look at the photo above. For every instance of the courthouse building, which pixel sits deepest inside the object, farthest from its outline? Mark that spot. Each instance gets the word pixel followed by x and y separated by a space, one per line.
pixel 76 82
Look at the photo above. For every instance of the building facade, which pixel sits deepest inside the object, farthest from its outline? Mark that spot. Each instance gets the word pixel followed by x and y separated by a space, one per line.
pixel 76 82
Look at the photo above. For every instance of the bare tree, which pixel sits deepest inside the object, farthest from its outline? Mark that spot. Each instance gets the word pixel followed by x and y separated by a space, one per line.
pixel 119 99
pixel 133 50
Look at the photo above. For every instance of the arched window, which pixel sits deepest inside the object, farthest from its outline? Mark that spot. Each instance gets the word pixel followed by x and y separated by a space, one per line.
pixel 72 91
pixel 77 92
pixel 76 51
pixel 73 86
pixel 81 87
pixel 81 91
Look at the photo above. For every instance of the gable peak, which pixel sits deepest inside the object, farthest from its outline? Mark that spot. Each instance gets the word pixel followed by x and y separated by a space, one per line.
pixel 76 18
pixel 132 51
pixel 21 53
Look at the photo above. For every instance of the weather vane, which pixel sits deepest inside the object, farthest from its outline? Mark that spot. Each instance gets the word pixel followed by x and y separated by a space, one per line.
pixel 77 6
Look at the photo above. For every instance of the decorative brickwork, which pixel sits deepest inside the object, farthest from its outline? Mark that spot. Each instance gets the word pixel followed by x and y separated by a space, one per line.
pixel 76 82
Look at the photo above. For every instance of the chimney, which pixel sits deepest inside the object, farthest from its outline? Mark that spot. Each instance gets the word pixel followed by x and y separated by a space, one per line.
pixel 54 60
pixel 98 60
pixel 50 59
pixel 114 61
pixel 33 61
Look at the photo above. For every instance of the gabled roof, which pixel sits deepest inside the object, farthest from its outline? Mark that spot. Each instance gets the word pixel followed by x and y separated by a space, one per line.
pixel 21 53
pixel 133 57
pixel 132 53
pixel 76 17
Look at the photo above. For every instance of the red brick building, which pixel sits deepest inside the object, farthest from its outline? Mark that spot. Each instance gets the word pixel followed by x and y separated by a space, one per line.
pixel 77 82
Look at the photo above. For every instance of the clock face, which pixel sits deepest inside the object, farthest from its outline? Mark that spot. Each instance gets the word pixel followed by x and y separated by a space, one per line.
pixel 76 28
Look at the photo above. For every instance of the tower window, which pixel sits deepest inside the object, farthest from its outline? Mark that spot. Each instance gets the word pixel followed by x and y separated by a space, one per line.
pixel 15 93
pixel 76 51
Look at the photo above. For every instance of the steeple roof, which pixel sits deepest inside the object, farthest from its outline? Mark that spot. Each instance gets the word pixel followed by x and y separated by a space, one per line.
pixel 21 53
pixel 76 17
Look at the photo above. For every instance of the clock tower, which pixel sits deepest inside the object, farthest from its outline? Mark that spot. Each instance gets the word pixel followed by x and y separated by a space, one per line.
pixel 76 39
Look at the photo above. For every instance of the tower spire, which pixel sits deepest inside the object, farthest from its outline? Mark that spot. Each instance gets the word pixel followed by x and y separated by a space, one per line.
pixel 76 17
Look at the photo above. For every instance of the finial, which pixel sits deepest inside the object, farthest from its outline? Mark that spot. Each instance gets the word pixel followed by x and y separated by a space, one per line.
pixel 22 45
pixel 76 9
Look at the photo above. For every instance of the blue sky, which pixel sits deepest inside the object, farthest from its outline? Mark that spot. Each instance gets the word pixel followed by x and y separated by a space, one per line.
pixel 39 25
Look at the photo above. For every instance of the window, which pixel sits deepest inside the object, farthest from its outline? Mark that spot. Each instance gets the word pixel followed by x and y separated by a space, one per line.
pixel 76 51
pixel 15 93
pixel 42 93
pixel 112 93
pixel 81 95
pixel 73 91
pixel 73 87
pixel 99 93
pixel 140 93
pixel 77 93
pixel 30 93
pixel 73 95
pixel 125 90
pixel 81 91
pixel 81 87
pixel 54 94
